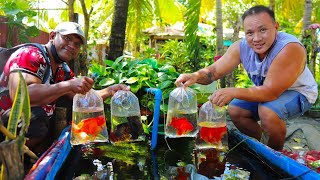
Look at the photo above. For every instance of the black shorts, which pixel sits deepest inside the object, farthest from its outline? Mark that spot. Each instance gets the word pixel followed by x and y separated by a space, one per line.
pixel 39 122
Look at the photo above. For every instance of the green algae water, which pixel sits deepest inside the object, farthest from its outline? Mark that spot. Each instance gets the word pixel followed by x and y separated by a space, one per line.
pixel 135 160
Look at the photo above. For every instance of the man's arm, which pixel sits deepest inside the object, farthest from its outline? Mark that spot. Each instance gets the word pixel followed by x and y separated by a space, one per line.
pixel 43 94
pixel 111 90
pixel 283 72
pixel 225 65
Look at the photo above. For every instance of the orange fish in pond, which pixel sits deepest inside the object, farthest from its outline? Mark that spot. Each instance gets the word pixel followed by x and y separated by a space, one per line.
pixel 182 174
pixel 91 126
pixel 212 134
pixel 182 125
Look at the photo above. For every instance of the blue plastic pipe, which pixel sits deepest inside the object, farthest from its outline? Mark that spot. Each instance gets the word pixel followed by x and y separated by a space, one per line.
pixel 52 160
pixel 156 114
pixel 277 159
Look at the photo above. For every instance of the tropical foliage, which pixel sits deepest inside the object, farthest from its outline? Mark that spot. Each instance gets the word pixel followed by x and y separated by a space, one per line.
pixel 138 74
pixel 18 14
pixel 194 52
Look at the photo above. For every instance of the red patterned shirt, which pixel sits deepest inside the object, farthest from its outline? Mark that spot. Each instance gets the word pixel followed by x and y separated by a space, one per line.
pixel 30 60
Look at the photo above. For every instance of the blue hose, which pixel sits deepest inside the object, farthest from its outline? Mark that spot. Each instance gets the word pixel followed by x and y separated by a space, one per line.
pixel 51 161
pixel 156 114
pixel 277 159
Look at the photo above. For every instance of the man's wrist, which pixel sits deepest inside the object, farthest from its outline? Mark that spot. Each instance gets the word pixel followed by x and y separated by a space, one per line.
pixel 204 76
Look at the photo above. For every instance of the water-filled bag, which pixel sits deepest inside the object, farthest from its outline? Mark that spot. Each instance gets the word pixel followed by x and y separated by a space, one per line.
pixel 88 119
pixel 182 113
pixel 126 123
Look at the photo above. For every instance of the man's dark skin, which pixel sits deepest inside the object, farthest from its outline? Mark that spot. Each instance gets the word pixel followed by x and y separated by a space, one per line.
pixel 67 47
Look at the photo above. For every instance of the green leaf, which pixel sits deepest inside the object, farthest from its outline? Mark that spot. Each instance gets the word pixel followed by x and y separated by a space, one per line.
pixel 133 64
pixel 145 128
pixel 315 164
pixel 167 68
pixel 135 87
pixel 122 65
pixel 132 80
pixel 106 82
pixel 124 79
pixel 131 71
pixel 150 84
pixel 32 31
pixel 97 68
pixel 26 109
pixel 16 110
pixel 108 62
pixel 144 79
pixel 119 59
pixel 165 84
pixel 151 62
pixel 20 104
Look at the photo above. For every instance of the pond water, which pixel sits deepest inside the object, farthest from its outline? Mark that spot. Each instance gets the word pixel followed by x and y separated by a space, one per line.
pixel 174 159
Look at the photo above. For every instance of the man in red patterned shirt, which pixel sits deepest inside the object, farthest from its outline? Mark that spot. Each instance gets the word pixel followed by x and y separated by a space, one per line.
pixel 64 45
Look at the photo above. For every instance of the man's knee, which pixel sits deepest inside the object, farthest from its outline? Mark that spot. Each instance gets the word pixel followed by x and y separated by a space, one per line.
pixel 236 113
pixel 268 117
pixel 271 122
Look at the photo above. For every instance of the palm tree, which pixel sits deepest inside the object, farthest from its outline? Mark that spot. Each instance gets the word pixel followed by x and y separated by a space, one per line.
pixel 140 15
pixel 219 28
pixel 306 34
pixel 118 29
pixel 191 27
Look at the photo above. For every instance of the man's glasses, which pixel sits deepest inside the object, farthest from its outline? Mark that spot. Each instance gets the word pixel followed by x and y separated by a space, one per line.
pixel 70 39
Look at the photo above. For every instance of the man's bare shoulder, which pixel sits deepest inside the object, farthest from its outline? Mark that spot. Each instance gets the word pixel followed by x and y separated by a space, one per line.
pixel 294 50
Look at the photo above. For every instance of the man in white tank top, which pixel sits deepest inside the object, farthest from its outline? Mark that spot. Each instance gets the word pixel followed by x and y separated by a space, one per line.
pixel 276 63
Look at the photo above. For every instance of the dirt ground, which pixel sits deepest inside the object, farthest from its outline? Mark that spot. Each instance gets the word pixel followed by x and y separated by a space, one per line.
pixel 303 133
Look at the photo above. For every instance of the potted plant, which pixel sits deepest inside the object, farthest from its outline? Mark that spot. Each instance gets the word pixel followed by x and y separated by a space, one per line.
pixel 13 148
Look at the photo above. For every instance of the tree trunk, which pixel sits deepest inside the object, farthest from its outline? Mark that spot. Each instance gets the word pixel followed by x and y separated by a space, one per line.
pixel 314 52
pixel 71 10
pixel 305 33
pixel 83 56
pixel 307 14
pixel 11 155
pixel 219 29
pixel 272 4
pixel 118 29
pixel 73 64
pixel 230 78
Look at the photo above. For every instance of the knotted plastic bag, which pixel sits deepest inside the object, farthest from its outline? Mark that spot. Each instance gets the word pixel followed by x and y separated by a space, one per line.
pixel 182 113
pixel 125 118
pixel 212 127
pixel 88 119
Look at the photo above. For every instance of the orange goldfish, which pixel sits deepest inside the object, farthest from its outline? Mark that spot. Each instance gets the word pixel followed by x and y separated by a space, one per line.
pixel 91 126
pixel 182 125
pixel 212 134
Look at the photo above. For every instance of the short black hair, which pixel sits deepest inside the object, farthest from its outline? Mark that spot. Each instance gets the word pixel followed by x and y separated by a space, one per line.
pixel 259 9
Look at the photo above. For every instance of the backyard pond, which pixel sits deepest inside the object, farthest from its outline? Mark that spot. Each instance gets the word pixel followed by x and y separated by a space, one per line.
pixel 175 158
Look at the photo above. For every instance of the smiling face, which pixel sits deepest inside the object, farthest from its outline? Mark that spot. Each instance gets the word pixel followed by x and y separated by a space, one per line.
pixel 67 46
pixel 260 32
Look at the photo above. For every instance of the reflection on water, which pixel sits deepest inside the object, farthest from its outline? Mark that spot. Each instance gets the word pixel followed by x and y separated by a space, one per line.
pixel 135 160
pixel 210 162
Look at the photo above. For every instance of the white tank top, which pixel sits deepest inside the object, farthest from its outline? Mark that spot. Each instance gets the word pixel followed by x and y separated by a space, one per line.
pixel 257 70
